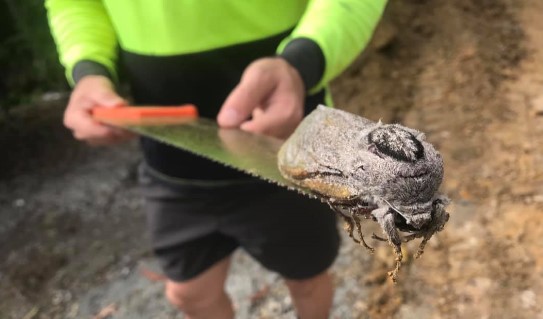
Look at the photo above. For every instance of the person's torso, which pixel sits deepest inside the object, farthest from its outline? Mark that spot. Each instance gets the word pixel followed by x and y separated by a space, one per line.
pixel 169 27
pixel 177 52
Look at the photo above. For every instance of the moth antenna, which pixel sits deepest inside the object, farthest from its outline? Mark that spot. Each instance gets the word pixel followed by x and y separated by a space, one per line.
pixel 395 209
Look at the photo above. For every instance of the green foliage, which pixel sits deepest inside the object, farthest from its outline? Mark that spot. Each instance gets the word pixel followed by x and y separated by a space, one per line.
pixel 28 57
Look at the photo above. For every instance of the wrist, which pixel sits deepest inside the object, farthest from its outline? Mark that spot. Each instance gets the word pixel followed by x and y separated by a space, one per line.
pixel 86 68
pixel 307 58
pixel 295 76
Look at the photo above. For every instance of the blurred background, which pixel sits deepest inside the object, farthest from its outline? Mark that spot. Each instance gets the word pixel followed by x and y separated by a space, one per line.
pixel 28 58
pixel 469 73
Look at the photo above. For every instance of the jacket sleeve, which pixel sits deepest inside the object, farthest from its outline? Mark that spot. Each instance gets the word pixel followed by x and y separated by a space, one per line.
pixel 85 38
pixel 341 29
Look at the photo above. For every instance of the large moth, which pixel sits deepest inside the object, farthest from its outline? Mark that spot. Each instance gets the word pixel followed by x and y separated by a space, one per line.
pixel 366 169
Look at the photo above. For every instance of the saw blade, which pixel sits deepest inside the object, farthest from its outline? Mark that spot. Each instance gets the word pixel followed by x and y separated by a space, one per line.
pixel 254 154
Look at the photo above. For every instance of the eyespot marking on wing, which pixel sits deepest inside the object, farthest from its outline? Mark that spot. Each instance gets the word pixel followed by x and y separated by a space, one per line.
pixel 397 143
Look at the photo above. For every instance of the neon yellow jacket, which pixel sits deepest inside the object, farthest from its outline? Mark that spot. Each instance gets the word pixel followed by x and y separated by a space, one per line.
pixel 92 29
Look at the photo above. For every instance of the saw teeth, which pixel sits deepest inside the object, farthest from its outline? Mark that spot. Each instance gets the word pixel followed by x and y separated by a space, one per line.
pixel 303 192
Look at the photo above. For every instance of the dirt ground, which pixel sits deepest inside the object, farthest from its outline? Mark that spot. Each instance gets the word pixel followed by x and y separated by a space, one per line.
pixel 469 73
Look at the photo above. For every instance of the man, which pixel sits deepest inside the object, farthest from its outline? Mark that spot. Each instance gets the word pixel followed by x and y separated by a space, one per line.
pixel 258 65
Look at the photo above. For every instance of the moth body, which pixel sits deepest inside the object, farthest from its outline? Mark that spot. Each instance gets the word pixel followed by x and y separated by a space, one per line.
pixel 369 169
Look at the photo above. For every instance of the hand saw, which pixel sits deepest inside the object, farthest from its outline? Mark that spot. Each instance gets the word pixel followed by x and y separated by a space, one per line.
pixel 181 127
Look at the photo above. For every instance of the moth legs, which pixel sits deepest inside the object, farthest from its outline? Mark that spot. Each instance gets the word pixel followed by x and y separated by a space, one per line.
pixel 350 222
pixel 356 219
pixel 426 237
pixel 385 218
pixel 440 218
pixel 373 236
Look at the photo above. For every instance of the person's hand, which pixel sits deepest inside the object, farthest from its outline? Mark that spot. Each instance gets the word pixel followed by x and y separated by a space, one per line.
pixel 92 91
pixel 269 99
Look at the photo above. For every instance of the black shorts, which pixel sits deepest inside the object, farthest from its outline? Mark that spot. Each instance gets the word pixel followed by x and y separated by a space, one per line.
pixel 195 224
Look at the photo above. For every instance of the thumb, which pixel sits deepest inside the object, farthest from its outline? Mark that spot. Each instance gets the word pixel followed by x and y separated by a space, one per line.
pixel 249 94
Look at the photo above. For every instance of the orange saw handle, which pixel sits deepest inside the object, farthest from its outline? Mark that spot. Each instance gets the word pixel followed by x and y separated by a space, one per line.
pixel 143 112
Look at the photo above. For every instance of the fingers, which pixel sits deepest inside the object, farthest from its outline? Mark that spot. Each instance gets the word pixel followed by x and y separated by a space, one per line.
pixel 90 92
pixel 256 83
pixel 279 118
pixel 271 94
pixel 85 128
pixel 94 91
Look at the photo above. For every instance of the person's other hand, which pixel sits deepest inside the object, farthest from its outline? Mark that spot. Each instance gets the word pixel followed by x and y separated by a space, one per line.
pixel 92 91
pixel 269 99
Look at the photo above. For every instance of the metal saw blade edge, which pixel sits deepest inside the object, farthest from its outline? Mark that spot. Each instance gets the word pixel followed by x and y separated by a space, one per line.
pixel 141 130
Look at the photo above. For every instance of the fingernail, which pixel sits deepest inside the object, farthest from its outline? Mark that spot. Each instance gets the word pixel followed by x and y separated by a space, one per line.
pixel 229 117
